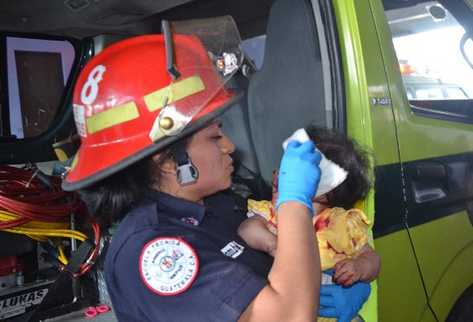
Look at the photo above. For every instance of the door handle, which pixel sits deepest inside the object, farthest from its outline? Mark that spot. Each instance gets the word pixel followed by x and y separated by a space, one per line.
pixel 429 182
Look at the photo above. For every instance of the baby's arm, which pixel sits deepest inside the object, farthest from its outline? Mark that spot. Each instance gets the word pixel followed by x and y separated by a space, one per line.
pixel 254 231
pixel 364 267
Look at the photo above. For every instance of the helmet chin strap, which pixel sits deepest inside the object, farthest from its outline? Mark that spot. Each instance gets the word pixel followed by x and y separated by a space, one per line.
pixel 187 173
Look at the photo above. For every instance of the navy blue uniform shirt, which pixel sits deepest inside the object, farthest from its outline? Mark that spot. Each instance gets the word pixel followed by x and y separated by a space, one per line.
pixel 229 274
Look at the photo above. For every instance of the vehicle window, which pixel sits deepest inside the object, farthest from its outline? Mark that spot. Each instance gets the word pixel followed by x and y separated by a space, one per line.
pixel 429 93
pixel 37 71
pixel 455 93
pixel 427 40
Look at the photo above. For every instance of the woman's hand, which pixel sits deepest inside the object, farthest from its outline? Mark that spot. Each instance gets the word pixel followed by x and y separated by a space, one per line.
pixel 341 302
pixel 299 174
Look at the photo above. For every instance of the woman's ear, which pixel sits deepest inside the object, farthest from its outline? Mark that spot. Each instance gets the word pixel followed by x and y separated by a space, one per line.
pixel 167 166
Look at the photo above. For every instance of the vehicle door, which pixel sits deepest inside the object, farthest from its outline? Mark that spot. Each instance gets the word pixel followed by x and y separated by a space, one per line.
pixel 435 136
pixel 370 120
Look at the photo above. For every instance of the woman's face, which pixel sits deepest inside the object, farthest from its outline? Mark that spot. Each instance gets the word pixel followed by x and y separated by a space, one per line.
pixel 210 149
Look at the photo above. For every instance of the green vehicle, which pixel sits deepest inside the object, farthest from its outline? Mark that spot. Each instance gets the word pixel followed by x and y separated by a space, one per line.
pixel 330 62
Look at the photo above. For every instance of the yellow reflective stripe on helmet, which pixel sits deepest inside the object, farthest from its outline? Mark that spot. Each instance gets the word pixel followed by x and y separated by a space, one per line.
pixel 60 154
pixel 74 161
pixel 116 115
pixel 174 92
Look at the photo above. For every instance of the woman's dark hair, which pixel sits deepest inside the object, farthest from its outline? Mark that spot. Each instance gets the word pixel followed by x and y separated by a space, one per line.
pixel 112 198
pixel 350 156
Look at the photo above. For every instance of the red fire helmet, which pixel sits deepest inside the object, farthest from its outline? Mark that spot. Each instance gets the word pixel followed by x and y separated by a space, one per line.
pixel 127 106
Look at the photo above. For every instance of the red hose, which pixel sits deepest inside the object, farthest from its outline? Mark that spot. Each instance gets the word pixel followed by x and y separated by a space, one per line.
pixel 23 194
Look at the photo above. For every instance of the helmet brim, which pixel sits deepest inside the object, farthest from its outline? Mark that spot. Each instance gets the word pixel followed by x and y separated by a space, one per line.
pixel 90 154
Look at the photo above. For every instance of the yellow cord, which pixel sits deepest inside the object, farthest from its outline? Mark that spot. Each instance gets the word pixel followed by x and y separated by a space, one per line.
pixel 42 231
pixel 62 257
pixel 9 216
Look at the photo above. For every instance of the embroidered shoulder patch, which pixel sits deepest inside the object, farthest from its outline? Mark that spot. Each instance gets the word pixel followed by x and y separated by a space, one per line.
pixel 168 265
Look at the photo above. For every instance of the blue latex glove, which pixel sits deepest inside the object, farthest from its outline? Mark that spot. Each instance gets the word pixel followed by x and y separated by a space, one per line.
pixel 341 302
pixel 299 174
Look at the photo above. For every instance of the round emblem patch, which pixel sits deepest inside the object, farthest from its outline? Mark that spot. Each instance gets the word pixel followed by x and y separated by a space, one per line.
pixel 168 265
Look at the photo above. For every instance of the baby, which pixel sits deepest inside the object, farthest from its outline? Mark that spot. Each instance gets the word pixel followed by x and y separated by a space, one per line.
pixel 342 234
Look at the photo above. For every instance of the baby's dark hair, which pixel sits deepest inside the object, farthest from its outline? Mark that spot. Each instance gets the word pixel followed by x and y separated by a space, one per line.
pixel 349 155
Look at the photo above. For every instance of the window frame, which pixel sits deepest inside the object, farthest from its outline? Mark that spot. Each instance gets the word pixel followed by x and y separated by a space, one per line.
pixel 33 45
pixel 453 110
pixel 39 148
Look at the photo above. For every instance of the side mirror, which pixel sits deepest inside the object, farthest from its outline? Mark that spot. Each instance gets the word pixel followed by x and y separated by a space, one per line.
pixel 437 12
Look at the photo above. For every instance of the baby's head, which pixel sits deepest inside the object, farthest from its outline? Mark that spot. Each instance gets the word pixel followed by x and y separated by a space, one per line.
pixel 351 157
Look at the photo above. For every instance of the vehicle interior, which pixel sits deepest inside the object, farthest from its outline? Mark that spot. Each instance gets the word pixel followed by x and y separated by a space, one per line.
pixel 256 112
pixel 293 78
pixel 271 108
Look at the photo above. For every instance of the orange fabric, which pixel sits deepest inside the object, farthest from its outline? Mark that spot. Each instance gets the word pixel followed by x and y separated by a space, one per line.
pixel 340 233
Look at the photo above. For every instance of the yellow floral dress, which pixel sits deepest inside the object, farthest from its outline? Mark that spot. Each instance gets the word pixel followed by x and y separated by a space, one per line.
pixel 340 233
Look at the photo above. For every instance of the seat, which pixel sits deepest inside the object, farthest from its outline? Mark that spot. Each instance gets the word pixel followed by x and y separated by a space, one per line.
pixel 287 93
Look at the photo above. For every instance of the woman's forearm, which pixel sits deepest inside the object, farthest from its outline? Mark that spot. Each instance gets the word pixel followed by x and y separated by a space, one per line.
pixel 292 293
pixel 295 275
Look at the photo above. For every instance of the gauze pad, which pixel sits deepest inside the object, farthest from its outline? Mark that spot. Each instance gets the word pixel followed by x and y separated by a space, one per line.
pixel 332 175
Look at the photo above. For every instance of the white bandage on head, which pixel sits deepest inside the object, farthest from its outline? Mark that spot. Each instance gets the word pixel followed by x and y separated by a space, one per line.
pixel 332 175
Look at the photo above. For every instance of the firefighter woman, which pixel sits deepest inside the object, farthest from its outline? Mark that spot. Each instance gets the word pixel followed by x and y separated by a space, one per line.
pixel 154 158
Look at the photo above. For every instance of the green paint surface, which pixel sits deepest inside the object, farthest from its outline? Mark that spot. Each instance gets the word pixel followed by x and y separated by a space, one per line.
pixel 446 259
pixel 401 294
pixel 443 247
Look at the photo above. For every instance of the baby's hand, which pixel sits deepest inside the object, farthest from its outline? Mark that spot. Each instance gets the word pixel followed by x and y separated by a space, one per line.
pixel 347 272
pixel 254 231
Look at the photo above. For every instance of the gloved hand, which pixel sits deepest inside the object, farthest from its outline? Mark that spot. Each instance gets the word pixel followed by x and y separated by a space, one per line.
pixel 299 174
pixel 341 302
